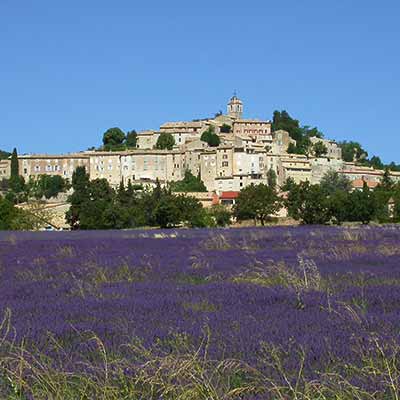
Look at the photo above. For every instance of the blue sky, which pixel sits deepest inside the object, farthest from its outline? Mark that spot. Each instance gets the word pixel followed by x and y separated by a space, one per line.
pixel 70 70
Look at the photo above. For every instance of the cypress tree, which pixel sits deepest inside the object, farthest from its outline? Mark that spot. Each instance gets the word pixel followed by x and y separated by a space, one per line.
pixel 14 165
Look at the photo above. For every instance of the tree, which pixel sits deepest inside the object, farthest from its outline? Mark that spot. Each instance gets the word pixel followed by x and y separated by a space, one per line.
pixel 225 128
pixel 308 204
pixel 189 183
pixel 257 202
pixel 7 214
pixel 319 149
pixel 339 204
pixel 210 137
pixel 131 139
pixel 288 185
pixel 191 211
pixel 4 155
pixel 47 186
pixel 113 139
pixel 376 162
pixel 165 141
pixel 14 165
pixel 387 181
pixel 167 213
pixel 291 148
pixel 332 181
pixel 363 205
pixel 79 197
pixel 352 151
pixel 221 215
pixel 271 178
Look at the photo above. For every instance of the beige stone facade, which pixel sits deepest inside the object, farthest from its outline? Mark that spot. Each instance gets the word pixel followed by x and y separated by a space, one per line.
pixel 333 149
pixel 253 128
pixel 63 165
pixel 5 169
pixel 147 139
pixel 295 166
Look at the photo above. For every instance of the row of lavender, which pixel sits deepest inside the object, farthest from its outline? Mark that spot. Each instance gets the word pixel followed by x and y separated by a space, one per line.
pixel 321 296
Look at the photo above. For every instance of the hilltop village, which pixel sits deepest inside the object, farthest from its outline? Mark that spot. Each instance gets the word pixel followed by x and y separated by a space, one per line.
pixel 246 151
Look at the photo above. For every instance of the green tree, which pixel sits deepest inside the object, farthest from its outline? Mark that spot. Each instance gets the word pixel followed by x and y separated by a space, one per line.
pixel 4 155
pixel 319 149
pixel 292 149
pixel 308 204
pixel 271 178
pixel 191 211
pixel 165 141
pixel 256 202
pixel 189 183
pixel 79 198
pixel 221 215
pixel 352 151
pixel 14 164
pixel 210 137
pixel 131 139
pixel 376 163
pixel 339 205
pixel 167 213
pixel 7 214
pixel 16 182
pixel 332 181
pixel 225 128
pixel 47 186
pixel 363 205
pixel 113 139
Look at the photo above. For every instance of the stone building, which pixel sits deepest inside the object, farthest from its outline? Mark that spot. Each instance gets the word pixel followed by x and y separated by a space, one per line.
pixel 105 165
pixel 5 169
pixel 63 165
pixel 255 129
pixel 294 166
pixel 333 149
pixel 235 108
pixel 147 139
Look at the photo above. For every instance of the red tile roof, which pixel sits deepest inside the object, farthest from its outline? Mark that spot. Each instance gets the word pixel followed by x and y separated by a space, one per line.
pixel 359 184
pixel 229 195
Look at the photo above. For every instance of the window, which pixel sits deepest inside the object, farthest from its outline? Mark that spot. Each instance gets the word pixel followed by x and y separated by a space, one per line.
pixel 225 163
pixel 225 156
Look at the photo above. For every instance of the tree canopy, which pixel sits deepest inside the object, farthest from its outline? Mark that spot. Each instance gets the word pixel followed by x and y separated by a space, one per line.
pixel 4 155
pixel 113 137
pixel 189 183
pixel 210 137
pixel 256 202
pixel 165 141
pixel 283 121
pixel 332 181
pixel 95 205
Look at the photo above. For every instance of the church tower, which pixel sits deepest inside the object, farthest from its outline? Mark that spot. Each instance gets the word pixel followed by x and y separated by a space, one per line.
pixel 235 107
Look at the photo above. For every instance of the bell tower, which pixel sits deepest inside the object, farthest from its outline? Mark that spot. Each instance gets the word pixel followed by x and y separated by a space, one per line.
pixel 235 107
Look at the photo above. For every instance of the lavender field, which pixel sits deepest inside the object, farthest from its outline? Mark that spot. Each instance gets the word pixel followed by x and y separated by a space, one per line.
pixel 272 313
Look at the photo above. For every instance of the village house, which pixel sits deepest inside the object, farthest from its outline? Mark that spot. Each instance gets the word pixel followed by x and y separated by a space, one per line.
pixel 5 169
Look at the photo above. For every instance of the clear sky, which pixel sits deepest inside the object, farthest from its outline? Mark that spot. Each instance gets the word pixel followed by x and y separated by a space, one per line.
pixel 71 69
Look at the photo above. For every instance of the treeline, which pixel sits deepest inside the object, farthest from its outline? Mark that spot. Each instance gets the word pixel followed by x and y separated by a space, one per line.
pixel 115 139
pixel 4 155
pixel 96 205
pixel 334 201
